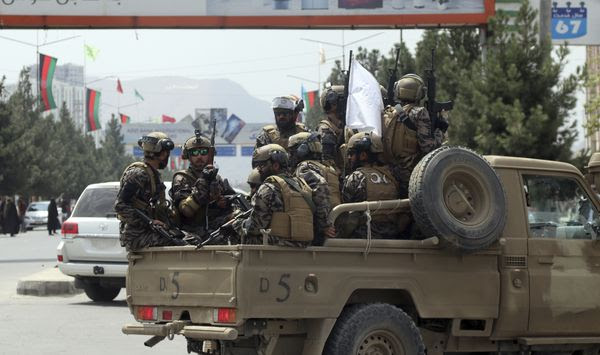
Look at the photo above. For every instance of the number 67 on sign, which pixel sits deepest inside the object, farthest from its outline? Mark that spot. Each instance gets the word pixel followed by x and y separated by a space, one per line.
pixel 569 22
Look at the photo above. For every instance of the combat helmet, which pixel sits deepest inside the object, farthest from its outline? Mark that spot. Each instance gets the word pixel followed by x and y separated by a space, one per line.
pixel 410 87
pixel 593 170
pixel 254 178
pixel 331 95
pixel 305 143
pixel 155 142
pixel 367 142
pixel 273 152
pixel 194 142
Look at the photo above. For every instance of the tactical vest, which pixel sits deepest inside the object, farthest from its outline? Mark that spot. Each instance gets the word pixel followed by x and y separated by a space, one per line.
pixel 333 180
pixel 199 212
pixel 275 135
pixel 340 155
pixel 296 220
pixel 399 134
pixel 381 185
pixel 157 211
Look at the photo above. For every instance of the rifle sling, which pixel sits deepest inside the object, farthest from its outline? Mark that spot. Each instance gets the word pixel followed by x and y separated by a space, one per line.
pixel 298 189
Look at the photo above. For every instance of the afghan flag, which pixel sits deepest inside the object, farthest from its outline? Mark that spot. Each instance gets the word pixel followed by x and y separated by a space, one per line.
pixel 124 118
pixel 92 110
pixel 311 98
pixel 119 86
pixel 46 74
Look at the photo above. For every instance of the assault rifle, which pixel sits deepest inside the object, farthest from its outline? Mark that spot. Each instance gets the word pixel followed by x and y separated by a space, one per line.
pixel 343 102
pixel 217 235
pixel 211 157
pixel 176 237
pixel 390 100
pixel 433 107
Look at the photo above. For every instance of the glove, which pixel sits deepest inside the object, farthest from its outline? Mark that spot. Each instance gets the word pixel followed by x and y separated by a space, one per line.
pixel 215 191
pixel 209 172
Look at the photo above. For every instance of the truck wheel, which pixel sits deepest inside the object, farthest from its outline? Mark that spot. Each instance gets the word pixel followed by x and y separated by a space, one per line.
pixel 99 293
pixel 456 195
pixel 374 329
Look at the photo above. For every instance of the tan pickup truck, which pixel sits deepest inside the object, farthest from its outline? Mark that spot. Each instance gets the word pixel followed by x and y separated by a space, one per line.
pixel 507 261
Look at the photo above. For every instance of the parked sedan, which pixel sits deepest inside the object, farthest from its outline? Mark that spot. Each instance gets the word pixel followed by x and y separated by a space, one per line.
pixel 37 214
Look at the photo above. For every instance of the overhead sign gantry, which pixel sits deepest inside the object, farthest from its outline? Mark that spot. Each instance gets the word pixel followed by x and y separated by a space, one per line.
pixel 243 13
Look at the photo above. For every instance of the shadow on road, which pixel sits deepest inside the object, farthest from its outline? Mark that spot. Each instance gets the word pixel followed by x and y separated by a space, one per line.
pixel 113 304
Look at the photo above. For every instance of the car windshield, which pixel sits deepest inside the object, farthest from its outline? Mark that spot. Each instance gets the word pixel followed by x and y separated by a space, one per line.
pixel 96 203
pixel 38 206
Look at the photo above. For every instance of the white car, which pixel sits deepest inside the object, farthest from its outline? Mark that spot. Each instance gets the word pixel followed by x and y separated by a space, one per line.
pixel 90 249
pixel 37 214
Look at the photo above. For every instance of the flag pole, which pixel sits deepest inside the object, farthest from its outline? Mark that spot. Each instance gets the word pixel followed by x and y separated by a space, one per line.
pixel 37 75
pixel 84 95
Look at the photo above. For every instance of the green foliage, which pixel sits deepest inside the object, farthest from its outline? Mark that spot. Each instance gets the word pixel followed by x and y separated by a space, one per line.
pixel 515 102
pixel 113 150
pixel 313 116
pixel 45 156
pixel 592 106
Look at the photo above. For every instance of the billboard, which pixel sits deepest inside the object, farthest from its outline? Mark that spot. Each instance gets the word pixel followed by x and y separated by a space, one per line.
pixel 243 13
pixel 572 22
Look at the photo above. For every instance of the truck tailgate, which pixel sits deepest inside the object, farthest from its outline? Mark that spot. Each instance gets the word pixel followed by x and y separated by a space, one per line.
pixel 183 276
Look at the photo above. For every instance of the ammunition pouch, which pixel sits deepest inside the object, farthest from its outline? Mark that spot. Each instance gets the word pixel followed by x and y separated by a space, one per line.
pixel 296 220
pixel 399 134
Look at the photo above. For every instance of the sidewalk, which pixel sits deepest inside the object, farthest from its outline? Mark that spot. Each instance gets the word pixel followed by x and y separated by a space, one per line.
pixel 49 282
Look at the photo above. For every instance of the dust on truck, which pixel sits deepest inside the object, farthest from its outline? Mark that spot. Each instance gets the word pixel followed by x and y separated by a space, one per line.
pixel 508 260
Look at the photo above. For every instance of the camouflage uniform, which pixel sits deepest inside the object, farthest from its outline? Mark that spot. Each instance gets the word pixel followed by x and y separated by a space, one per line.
pixel 192 183
pixel 137 192
pixel 270 134
pixel 383 226
pixel 332 138
pixel 268 200
pixel 418 125
pixel 314 177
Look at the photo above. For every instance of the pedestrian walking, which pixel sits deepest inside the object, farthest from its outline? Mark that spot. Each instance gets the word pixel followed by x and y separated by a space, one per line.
pixel 21 209
pixel 10 217
pixel 53 222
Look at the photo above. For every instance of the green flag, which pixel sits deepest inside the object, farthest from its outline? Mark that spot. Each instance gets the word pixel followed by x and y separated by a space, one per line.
pixel 91 52
pixel 137 94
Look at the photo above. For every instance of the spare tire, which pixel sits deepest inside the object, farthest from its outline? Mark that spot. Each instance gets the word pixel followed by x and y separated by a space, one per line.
pixel 456 195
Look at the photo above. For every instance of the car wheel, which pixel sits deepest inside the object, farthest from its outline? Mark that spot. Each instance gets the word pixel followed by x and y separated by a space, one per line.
pixel 456 195
pixel 374 329
pixel 99 293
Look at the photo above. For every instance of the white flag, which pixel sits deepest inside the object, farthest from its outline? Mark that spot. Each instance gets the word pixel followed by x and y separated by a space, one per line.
pixel 364 107
pixel 321 55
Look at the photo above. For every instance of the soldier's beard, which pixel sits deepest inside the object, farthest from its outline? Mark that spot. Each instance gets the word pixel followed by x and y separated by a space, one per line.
pixel 163 163
pixel 265 174
pixel 285 125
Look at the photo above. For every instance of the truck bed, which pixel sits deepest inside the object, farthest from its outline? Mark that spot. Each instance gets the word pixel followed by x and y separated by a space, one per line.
pixel 278 282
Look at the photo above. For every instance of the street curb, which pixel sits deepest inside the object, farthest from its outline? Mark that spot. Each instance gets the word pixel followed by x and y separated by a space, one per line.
pixel 49 282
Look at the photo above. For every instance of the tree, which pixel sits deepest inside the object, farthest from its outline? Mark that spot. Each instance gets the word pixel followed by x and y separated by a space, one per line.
pixel 4 138
pixel 377 64
pixel 515 103
pixel 113 150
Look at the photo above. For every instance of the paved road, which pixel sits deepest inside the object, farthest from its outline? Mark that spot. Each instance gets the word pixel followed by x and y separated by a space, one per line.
pixel 60 325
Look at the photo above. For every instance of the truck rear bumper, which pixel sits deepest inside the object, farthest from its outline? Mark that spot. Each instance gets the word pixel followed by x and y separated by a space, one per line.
pixel 189 331
pixel 96 269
